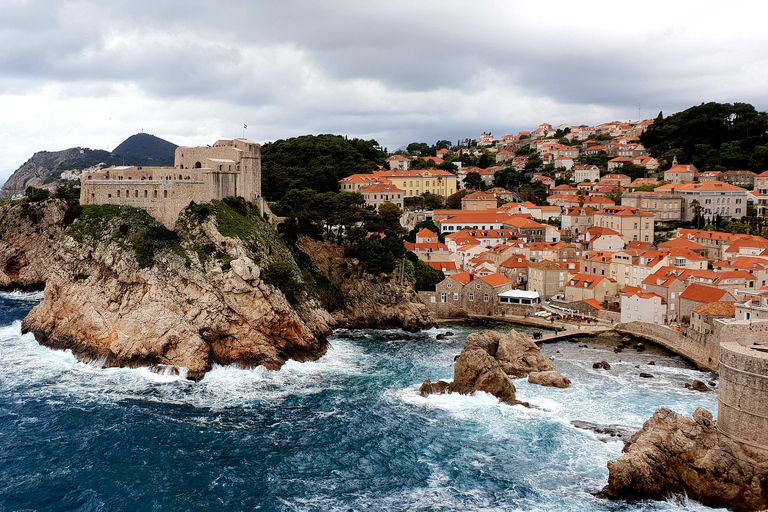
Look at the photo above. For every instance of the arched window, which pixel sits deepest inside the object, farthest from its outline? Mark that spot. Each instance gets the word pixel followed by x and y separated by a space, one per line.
pixel 146 192
pixel 118 193
pixel 165 194
pixel 198 165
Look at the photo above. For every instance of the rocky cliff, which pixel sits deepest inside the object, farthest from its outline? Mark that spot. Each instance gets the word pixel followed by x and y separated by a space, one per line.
pixel 222 288
pixel 673 454
pixel 28 234
pixel 125 291
pixel 369 302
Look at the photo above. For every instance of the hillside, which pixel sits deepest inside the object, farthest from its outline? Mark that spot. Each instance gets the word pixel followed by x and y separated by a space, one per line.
pixel 45 167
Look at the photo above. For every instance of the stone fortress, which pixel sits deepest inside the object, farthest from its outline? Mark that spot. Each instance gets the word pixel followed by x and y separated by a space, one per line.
pixel 200 174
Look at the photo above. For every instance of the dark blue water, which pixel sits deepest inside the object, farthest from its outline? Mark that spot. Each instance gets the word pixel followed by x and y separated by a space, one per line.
pixel 348 432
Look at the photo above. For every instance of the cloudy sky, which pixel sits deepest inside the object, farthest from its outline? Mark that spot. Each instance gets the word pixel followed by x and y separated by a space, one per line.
pixel 91 73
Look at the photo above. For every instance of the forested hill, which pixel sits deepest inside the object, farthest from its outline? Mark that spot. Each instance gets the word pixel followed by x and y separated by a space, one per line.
pixel 45 167
pixel 713 137
pixel 316 162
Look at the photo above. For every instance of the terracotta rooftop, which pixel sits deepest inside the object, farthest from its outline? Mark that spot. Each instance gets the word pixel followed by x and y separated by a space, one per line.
pixel 717 309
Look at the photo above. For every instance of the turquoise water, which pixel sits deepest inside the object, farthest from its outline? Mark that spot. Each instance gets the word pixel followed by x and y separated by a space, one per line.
pixel 347 432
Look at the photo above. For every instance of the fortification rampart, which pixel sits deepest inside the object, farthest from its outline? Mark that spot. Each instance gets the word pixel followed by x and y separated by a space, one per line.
pixel 743 396
pixel 229 168
pixel 701 350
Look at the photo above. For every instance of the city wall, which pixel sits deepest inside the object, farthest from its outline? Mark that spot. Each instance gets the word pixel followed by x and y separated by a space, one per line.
pixel 743 397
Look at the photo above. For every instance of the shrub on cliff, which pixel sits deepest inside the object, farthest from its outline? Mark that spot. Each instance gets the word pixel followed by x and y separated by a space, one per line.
pixel 283 276
pixel 130 228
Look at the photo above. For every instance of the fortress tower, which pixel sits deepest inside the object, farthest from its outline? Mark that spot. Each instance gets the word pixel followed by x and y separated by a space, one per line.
pixel 200 174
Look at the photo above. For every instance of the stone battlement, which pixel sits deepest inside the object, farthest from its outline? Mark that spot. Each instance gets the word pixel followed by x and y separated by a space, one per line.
pixel 743 399
pixel 200 174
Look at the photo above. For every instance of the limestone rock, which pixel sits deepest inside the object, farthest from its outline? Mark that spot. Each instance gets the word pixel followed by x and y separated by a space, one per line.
pixel 697 386
pixel 602 364
pixel 370 302
pixel 440 387
pixel 673 454
pixel 517 354
pixel 28 239
pixel 551 378
pixel 475 370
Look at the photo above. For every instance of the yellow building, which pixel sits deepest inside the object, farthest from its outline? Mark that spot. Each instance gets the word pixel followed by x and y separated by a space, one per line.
pixel 414 183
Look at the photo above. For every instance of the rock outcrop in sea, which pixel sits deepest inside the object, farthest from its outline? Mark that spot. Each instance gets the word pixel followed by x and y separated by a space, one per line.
pixel 488 360
pixel 673 454
pixel 123 290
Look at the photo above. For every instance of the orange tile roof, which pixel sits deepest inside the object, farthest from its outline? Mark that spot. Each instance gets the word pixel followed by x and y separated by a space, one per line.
pixel 425 232
pixel 445 266
pixel 594 303
pixel 717 309
pixel 702 293
pixel 516 262
pixel 496 280
pixel 462 277
pixel 682 243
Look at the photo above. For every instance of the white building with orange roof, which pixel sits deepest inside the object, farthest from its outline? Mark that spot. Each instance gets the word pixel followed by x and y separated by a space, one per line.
pixel 679 174
pixel 640 306
pixel 632 223
pixel 379 193
pixel 355 182
pixel 473 220
pixel 618 162
pixel 665 207
pixel 586 173
pixel 599 238
pixel 479 201
pixel 564 190
pixel 578 219
pixel 648 162
pixel 588 286
pixel 544 212
pixel 400 162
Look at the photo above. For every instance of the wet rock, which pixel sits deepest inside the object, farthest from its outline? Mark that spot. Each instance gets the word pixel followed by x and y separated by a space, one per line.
pixel 646 375
pixel 617 350
pixel 622 432
pixel 427 388
pixel 602 364
pixel 449 333
pixel 711 383
pixel 440 336
pixel 550 378
pixel 516 353
pixel 673 454
pixel 652 363
pixel 697 386
pixel 476 370
pixel 639 347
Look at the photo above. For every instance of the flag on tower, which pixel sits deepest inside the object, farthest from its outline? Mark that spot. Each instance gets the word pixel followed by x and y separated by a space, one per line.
pixel 245 126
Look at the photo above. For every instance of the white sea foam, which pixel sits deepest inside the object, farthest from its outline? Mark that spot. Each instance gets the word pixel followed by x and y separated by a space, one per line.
pixel 23 296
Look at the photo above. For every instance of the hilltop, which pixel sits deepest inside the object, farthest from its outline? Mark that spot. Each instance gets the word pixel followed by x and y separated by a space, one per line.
pixel 45 167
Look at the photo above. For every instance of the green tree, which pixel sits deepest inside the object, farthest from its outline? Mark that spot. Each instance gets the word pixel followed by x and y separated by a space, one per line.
pixel 473 181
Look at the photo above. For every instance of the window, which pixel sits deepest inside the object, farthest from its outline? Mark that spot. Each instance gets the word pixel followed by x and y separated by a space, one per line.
pixel 165 194
pixel 455 296
pixel 443 297
pixel 485 297
pixel 471 297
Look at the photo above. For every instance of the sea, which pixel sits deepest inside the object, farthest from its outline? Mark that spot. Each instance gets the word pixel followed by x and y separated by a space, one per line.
pixel 349 432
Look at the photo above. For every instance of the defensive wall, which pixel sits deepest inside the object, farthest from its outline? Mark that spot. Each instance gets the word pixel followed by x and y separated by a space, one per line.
pixel 743 397
pixel 228 168
pixel 702 350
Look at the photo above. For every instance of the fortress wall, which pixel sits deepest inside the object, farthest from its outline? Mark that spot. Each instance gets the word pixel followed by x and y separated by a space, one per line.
pixel 743 397
pixel 702 350
pixel 163 199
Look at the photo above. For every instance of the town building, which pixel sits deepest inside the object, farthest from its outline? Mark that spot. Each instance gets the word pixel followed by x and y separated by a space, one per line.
pixel 710 199
pixel 666 208
pixel 377 194
pixel 640 306
pixel 633 223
